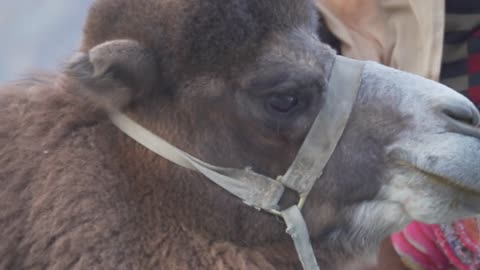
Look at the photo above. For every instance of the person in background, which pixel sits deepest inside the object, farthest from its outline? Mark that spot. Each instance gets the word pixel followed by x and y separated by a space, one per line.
pixel 437 39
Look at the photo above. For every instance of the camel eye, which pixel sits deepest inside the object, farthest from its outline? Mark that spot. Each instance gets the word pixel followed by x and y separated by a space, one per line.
pixel 282 103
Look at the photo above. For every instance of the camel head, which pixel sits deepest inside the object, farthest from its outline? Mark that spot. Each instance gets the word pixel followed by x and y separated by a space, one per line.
pixel 239 83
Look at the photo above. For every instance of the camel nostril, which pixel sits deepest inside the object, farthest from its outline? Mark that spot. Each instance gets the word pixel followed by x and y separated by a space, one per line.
pixel 476 117
pixel 466 115
pixel 463 119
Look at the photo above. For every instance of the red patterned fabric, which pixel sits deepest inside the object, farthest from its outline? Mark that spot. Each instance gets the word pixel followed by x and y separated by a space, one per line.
pixel 440 247
pixel 474 68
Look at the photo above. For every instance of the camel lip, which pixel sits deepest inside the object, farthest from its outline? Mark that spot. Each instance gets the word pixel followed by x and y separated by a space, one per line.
pixel 450 182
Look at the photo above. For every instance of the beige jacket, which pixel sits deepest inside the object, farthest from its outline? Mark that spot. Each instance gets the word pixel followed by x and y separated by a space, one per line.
pixel 404 34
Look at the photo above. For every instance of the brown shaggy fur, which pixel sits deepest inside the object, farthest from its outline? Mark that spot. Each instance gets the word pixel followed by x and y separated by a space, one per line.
pixel 75 193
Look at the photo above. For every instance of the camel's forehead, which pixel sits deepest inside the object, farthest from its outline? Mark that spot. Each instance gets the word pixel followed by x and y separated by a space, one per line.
pixel 204 33
pixel 199 19
pixel 209 15
pixel 220 32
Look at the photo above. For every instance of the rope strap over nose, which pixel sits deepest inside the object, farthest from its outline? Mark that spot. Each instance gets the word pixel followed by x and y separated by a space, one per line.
pixel 328 127
pixel 262 192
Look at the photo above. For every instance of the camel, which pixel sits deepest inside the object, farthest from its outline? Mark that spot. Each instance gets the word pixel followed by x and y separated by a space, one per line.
pixel 235 83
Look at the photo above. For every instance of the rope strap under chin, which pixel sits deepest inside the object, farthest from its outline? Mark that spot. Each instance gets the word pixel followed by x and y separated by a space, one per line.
pixel 298 231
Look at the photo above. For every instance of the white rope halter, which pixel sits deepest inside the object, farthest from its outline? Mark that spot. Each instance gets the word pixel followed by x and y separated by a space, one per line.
pixel 262 192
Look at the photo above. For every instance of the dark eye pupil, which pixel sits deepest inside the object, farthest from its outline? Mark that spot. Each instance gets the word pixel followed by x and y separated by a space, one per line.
pixel 282 103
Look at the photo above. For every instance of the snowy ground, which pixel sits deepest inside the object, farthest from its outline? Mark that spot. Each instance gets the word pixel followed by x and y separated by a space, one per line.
pixel 38 34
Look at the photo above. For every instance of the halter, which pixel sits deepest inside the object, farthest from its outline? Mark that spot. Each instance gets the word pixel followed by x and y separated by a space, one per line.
pixel 262 192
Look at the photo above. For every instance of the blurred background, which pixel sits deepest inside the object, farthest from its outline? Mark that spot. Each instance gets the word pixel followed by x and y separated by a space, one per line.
pixel 38 34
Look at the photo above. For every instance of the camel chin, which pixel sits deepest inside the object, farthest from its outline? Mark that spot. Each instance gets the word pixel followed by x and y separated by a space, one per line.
pixel 430 198
pixel 436 179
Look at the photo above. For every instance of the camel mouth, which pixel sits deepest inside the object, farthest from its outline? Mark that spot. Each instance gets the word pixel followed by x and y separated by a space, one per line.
pixel 448 158
pixel 439 178
pixel 451 182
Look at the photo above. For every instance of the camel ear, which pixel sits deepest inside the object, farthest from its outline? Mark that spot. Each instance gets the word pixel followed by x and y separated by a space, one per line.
pixel 114 74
